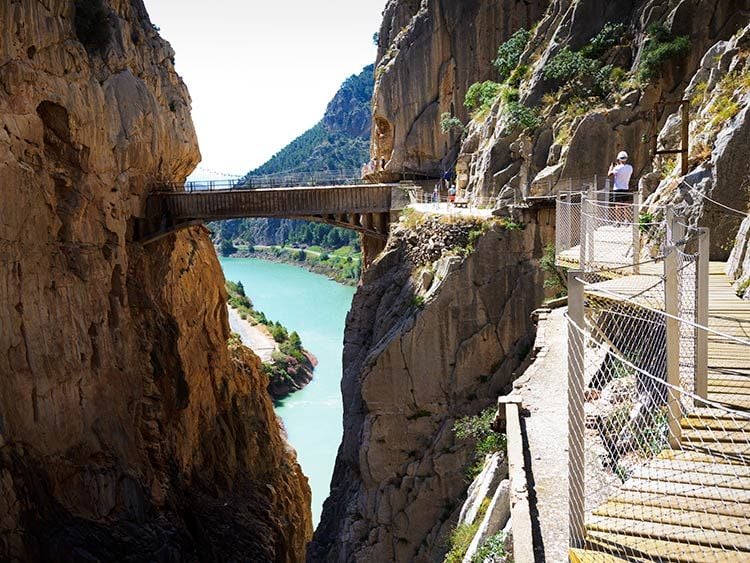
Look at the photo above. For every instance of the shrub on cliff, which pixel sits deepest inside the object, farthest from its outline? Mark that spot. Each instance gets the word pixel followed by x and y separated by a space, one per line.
pixel 582 72
pixel 93 25
pixel 660 47
pixel 486 441
pixel 480 96
pixel 509 53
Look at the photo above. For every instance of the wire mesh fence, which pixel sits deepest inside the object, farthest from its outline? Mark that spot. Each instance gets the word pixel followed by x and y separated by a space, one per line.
pixel 659 412
pixel 568 228
pixel 600 230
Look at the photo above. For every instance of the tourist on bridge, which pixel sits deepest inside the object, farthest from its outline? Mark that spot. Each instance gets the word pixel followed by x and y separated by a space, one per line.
pixel 452 194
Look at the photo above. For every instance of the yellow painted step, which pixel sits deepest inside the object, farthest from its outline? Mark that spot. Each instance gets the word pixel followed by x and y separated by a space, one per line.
pixel 698 520
pixel 639 548
pixel 731 541
pixel 708 506
pixel 586 556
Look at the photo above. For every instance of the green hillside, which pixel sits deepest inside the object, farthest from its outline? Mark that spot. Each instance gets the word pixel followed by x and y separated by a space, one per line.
pixel 339 141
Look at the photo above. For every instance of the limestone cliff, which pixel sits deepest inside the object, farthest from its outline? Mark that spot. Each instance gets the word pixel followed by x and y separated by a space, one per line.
pixel 429 53
pixel 431 337
pixel 127 431
pixel 587 83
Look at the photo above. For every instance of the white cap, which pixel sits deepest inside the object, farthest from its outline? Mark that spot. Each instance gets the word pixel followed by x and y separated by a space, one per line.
pixel 622 155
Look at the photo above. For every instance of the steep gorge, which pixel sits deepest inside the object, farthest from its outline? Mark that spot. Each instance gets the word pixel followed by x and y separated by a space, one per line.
pixel 127 429
pixel 409 372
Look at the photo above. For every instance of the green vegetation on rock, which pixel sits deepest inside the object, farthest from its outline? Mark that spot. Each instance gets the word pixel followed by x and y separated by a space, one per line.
pixel 492 550
pixel 486 441
pixel 582 73
pixel 481 95
pixel 661 46
pixel 509 54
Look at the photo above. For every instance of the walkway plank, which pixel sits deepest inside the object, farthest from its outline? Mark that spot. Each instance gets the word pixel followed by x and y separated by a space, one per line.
pixel 666 551
pixel 708 506
pixel 674 475
pixel 676 516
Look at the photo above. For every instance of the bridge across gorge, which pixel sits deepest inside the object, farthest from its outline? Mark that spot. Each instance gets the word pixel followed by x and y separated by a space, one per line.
pixel 366 208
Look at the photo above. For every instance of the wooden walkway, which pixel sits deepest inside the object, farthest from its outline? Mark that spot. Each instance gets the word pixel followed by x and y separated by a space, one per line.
pixel 692 503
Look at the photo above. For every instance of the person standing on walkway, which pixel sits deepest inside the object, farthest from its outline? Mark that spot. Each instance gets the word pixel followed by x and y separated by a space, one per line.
pixel 620 174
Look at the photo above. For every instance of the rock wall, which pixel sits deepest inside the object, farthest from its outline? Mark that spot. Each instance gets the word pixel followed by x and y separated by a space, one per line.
pixel 576 139
pixel 428 340
pixel 429 53
pixel 127 430
pixel 716 190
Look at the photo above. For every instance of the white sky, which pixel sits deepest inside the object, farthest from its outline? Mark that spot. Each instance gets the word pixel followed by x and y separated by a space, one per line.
pixel 261 72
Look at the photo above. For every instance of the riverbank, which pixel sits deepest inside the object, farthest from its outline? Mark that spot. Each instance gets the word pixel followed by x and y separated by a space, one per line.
pixel 286 364
pixel 344 268
pixel 255 337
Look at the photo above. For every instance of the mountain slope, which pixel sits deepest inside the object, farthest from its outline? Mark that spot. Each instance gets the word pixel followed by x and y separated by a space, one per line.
pixel 341 140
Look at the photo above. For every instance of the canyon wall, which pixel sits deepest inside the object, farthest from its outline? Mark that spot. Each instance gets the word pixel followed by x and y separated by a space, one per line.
pixel 543 132
pixel 431 337
pixel 127 428
pixel 429 53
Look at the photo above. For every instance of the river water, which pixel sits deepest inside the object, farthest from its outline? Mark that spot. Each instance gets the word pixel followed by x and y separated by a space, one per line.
pixel 316 308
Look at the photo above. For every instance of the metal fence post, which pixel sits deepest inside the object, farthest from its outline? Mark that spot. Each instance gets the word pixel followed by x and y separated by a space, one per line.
pixel 588 232
pixel 576 471
pixel 672 310
pixel 701 314
pixel 636 233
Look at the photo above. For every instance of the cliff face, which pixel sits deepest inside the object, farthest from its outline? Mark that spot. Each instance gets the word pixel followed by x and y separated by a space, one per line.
pixel 126 428
pixel 429 53
pixel 410 372
pixel 542 131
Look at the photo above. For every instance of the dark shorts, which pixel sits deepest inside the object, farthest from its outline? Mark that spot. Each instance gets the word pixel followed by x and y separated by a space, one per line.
pixel 620 196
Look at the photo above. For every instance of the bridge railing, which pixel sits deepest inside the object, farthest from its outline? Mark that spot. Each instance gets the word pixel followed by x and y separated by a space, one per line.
pixel 594 232
pixel 289 180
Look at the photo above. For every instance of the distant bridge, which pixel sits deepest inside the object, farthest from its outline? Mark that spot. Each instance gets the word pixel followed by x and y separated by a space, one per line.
pixel 366 208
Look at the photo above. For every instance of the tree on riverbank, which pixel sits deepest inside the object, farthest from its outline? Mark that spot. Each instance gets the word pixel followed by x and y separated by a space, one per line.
pixel 291 366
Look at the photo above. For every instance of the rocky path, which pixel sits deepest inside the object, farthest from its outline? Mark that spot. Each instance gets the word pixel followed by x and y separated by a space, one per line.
pixel 254 337
pixel 544 391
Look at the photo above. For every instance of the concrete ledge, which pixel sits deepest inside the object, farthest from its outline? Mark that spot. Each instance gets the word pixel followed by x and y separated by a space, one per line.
pixel 520 513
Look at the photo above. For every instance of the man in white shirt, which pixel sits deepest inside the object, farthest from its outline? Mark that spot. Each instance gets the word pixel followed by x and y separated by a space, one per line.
pixel 620 174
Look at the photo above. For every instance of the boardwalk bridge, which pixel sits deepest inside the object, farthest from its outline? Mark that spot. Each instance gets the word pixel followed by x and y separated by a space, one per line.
pixel 365 208
pixel 658 387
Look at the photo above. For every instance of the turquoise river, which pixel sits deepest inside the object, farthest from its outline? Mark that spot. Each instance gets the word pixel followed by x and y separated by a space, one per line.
pixel 316 308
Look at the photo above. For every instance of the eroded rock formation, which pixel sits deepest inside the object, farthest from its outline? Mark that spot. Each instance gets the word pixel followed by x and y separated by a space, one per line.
pixel 429 53
pixel 127 430
pixel 426 342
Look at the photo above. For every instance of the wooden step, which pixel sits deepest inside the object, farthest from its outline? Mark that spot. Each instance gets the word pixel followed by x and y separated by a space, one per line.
pixel 587 556
pixel 700 520
pixel 739 451
pixel 713 435
pixel 703 423
pixel 702 479
pixel 707 465
pixel 709 506
pixel 671 532
pixel 637 548
pixel 687 490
